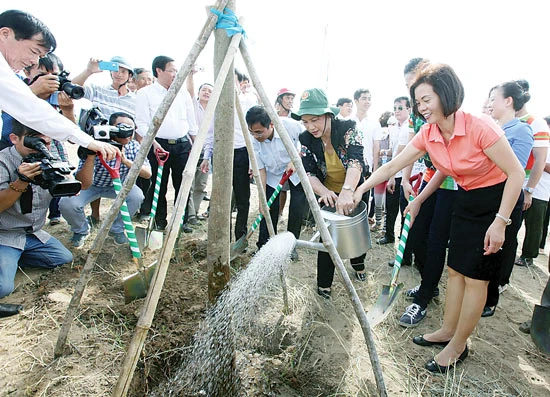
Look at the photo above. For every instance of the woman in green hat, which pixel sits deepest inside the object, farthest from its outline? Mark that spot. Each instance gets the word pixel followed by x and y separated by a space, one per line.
pixel 332 155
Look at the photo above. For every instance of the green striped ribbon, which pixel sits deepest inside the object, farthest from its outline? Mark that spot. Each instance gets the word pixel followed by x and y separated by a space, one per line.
pixel 156 192
pixel 128 225
pixel 401 248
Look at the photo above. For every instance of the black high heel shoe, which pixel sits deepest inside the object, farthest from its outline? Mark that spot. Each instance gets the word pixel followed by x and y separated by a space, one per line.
pixel 433 366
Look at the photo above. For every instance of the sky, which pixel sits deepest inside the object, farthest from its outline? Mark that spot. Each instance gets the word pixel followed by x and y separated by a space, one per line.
pixel 336 45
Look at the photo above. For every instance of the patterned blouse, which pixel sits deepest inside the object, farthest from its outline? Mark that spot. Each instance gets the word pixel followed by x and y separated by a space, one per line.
pixel 347 143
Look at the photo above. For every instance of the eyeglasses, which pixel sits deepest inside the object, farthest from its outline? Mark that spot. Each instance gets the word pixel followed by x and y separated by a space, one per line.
pixel 396 108
pixel 259 133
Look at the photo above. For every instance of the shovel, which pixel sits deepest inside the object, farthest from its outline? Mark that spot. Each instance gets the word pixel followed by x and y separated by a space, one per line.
pixel 540 324
pixel 388 297
pixel 241 244
pixel 130 233
pixel 147 237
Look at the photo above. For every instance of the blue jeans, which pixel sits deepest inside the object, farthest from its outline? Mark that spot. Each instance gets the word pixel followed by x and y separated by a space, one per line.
pixel 35 254
pixel 72 208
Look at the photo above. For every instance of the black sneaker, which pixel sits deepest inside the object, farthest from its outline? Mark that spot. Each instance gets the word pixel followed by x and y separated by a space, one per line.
pixel 412 316
pixel 361 276
pixel 413 292
pixel 324 293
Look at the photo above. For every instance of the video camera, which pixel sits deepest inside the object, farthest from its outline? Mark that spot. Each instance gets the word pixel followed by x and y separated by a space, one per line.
pixel 95 124
pixel 54 171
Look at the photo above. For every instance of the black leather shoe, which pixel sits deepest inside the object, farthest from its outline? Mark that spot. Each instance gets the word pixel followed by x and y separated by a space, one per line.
pixel 488 311
pixel 385 240
pixel 186 229
pixel 433 366
pixel 420 341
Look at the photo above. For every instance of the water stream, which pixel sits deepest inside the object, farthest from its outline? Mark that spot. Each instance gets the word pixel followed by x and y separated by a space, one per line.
pixel 233 323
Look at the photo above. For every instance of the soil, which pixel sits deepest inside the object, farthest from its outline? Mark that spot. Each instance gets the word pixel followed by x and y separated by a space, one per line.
pixel 317 349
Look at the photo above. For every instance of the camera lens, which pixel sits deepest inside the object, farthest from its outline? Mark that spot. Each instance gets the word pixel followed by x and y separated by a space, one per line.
pixel 73 90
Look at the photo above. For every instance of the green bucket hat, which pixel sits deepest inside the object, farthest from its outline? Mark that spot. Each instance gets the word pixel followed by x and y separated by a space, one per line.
pixel 314 101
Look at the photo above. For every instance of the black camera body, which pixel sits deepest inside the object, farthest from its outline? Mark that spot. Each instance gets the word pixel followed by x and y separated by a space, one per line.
pixel 55 172
pixel 73 90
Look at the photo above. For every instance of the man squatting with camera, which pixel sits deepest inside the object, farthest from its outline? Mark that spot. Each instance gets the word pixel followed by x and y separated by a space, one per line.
pixel 97 182
pixel 23 208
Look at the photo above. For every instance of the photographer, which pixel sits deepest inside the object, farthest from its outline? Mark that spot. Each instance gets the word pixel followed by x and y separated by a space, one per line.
pixel 43 80
pixel 23 208
pixel 24 40
pixel 96 183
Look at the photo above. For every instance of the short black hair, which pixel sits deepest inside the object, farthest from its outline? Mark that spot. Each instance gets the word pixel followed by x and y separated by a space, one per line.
pixel 257 114
pixel 412 65
pixel 342 101
pixel 160 62
pixel 445 84
pixel 21 129
pixel 25 27
pixel 116 115
pixel 357 94
pixel 403 98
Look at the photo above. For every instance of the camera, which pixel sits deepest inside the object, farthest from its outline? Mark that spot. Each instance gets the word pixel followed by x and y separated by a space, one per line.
pixel 55 172
pixel 73 90
pixel 95 124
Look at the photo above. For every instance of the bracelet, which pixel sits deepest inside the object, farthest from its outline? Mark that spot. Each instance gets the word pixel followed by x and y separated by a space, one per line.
pixel 12 187
pixel 507 221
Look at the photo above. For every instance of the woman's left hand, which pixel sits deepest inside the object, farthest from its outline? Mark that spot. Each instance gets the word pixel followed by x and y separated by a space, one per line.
pixel 345 204
pixel 494 237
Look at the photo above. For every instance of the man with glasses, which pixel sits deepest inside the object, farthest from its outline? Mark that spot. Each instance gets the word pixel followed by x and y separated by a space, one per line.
pixel 401 109
pixel 273 161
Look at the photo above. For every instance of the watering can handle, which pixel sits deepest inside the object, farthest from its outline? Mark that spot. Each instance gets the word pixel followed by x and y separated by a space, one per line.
pixel 418 179
pixel 161 153
pixel 113 171
pixel 318 233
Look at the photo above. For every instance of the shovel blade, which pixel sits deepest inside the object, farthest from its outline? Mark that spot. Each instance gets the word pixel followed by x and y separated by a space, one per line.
pixel 383 305
pixel 155 240
pixel 238 248
pixel 137 284
pixel 540 328
pixel 141 237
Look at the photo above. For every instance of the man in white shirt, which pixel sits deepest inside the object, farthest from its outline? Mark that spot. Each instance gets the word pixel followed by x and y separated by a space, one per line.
pixel 273 160
pixel 173 135
pixel 24 39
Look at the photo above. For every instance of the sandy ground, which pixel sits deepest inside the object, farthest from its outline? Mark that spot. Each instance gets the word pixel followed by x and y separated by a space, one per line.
pixel 321 350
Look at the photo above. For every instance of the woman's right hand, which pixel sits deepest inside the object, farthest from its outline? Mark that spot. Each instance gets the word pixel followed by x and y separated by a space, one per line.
pixel 328 198
pixel 413 208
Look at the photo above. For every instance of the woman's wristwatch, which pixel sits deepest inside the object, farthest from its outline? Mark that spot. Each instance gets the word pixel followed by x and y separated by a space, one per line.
pixel 348 187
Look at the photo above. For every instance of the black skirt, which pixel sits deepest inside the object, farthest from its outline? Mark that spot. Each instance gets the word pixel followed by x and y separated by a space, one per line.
pixel 474 212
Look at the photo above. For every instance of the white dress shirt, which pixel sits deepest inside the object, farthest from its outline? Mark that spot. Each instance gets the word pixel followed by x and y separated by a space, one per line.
pixel 180 119
pixel 17 99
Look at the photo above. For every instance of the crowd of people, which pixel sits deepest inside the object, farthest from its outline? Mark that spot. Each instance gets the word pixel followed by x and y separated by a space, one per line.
pixel 482 176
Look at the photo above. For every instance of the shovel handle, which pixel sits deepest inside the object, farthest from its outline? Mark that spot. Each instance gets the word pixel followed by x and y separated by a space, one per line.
pixel 113 171
pixel 162 156
pixel 285 177
pixel 401 247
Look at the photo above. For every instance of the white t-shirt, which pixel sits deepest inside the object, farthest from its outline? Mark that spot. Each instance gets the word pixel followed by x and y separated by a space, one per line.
pixel 370 130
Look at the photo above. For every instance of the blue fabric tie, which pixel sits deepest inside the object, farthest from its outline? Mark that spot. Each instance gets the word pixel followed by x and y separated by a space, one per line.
pixel 228 21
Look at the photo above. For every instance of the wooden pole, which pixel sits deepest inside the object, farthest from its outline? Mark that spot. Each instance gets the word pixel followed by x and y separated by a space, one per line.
pixel 157 282
pixel 219 218
pixel 325 235
pixel 131 178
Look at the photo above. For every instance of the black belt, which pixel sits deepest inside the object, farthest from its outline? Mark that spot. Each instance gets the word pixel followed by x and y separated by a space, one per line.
pixel 173 141
pixel 241 149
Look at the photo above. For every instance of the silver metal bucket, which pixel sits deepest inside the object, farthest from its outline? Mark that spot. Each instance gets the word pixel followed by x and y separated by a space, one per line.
pixel 351 234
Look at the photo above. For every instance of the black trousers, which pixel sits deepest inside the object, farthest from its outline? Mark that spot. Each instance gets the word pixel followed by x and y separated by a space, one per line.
pixel 296 211
pixel 179 154
pixel 241 190
pixel 325 265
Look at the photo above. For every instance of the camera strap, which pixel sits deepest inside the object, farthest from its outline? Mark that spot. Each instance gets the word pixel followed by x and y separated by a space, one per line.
pixel 26 201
